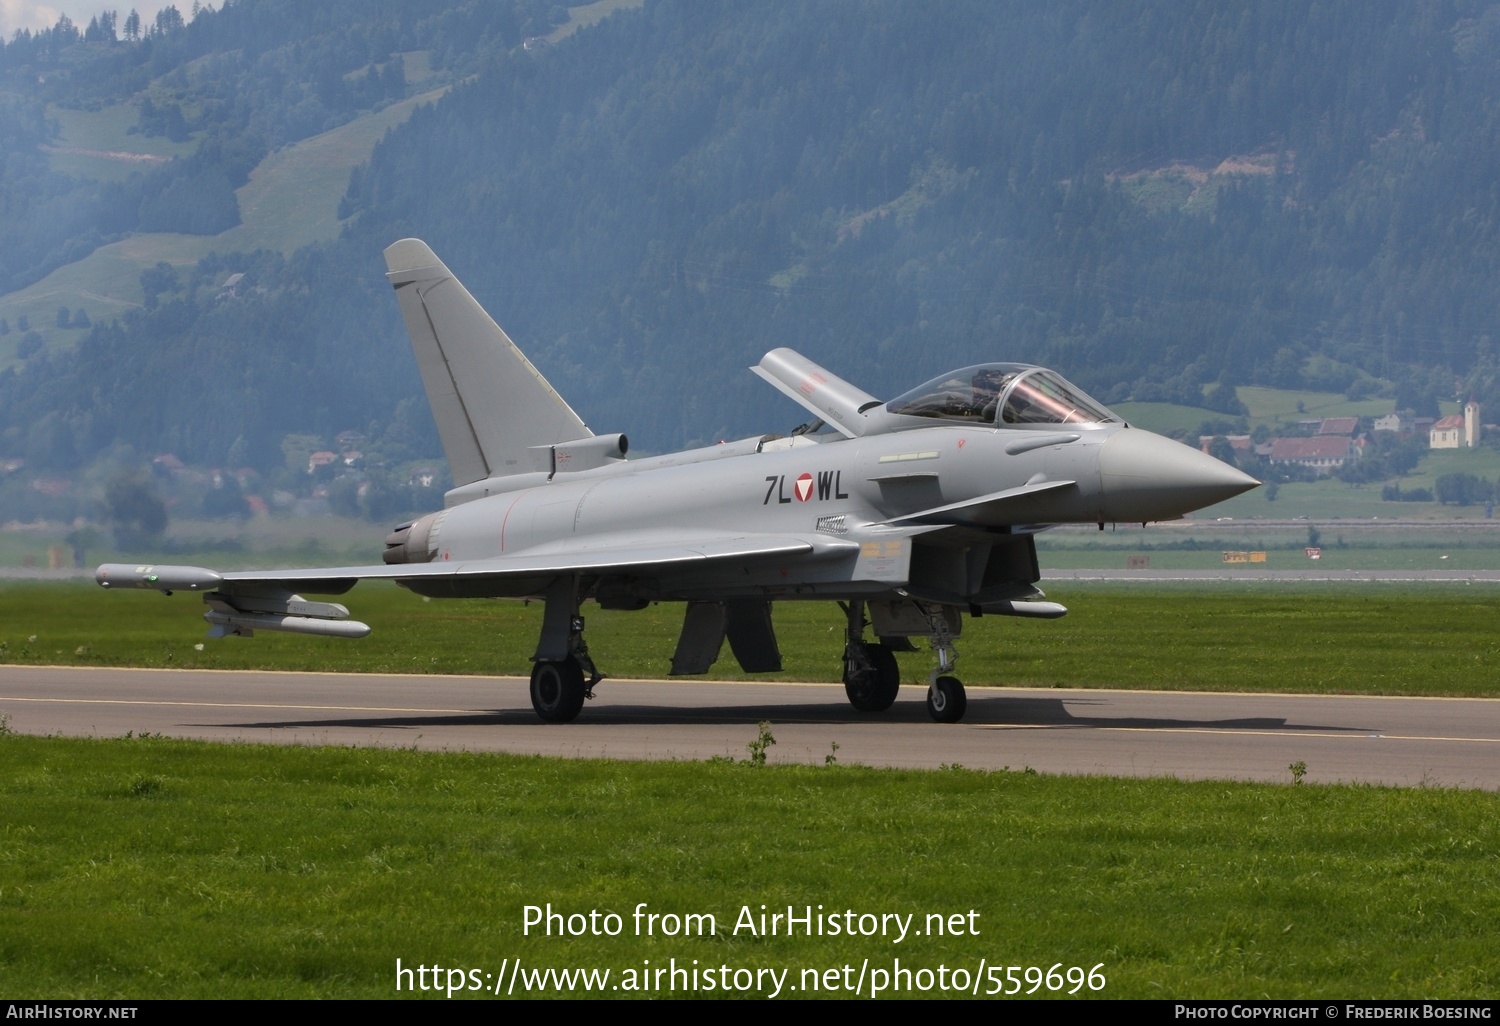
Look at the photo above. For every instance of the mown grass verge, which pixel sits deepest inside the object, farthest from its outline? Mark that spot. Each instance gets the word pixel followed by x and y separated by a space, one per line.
pixel 1367 638
pixel 150 867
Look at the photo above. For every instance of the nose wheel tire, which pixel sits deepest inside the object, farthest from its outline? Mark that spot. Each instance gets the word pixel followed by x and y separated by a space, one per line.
pixel 873 687
pixel 946 701
pixel 557 690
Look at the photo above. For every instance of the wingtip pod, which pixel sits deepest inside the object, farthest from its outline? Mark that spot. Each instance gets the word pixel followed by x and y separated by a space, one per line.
pixel 157 578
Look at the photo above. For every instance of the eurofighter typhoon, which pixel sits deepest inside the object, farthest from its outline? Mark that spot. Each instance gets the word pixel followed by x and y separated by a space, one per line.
pixel 909 513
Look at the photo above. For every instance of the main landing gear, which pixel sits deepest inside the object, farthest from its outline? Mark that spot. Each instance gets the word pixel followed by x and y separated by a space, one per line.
pixel 562 674
pixel 871 676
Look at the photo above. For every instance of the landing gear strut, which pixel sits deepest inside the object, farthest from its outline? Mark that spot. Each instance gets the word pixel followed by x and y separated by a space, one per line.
pixel 871 677
pixel 562 674
pixel 946 700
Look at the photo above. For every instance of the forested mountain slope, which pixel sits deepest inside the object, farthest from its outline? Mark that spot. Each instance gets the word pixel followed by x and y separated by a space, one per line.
pixel 1150 196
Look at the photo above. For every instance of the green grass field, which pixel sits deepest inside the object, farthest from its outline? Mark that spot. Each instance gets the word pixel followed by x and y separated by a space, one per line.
pixel 145 868
pixel 1345 545
pixel 1365 639
pixel 1058 560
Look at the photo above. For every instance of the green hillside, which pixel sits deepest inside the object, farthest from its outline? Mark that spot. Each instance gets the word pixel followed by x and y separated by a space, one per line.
pixel 1273 407
pixel 585 15
pixel 105 283
pixel 1154 198
pixel 1332 498
pixel 99 143
pixel 1164 418
pixel 290 201
pixel 291 198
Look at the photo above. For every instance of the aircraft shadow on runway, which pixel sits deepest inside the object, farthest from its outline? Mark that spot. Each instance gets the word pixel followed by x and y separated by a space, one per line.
pixel 985 709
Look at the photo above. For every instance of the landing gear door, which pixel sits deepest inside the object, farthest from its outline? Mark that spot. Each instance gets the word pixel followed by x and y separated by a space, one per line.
pixel 904 619
pixel 703 627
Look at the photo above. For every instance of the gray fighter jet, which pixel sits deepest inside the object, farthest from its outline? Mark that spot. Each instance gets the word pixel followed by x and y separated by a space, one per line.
pixel 908 513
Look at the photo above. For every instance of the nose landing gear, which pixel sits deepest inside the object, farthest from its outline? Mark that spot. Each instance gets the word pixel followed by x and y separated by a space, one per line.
pixel 946 700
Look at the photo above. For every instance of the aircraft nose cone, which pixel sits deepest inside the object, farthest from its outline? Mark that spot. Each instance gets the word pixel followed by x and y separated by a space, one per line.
pixel 1147 477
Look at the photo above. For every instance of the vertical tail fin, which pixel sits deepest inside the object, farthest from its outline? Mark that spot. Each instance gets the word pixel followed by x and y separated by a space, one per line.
pixel 491 405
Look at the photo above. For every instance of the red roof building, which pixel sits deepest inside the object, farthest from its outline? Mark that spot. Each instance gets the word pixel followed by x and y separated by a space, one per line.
pixel 1323 453
pixel 1344 426
pixel 1457 432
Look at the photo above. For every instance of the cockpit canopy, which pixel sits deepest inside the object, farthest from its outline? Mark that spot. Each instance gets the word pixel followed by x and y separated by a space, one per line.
pixel 1001 394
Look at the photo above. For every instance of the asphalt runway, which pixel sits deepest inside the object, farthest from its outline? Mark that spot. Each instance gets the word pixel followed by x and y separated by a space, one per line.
pixel 1395 741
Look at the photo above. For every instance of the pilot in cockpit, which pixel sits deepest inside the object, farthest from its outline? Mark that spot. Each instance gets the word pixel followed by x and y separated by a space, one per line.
pixel 988 386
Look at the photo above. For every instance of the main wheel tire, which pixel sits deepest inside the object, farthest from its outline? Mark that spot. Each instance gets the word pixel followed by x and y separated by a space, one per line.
pixel 873 688
pixel 946 701
pixel 557 690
